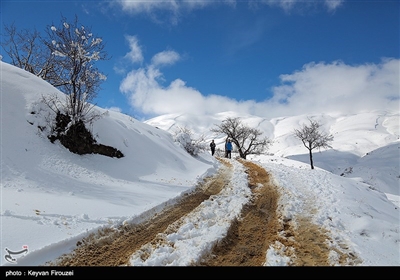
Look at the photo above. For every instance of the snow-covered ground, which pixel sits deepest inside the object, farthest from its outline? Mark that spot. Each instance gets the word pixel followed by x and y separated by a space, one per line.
pixel 51 198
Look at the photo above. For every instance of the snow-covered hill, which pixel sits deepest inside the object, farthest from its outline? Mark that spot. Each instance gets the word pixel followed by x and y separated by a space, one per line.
pixel 51 198
pixel 357 138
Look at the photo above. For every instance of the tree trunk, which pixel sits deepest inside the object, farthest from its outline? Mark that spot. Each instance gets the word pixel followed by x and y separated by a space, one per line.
pixel 311 160
pixel 242 155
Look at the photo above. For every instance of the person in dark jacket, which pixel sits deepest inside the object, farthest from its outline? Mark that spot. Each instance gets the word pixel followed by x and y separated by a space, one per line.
pixel 212 146
pixel 228 148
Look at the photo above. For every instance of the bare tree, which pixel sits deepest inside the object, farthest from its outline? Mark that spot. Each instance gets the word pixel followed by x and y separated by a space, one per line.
pixel 75 50
pixel 312 137
pixel 27 51
pixel 65 59
pixel 246 139
pixel 185 137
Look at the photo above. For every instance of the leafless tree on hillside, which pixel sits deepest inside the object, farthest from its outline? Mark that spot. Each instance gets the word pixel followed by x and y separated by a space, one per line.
pixel 27 51
pixel 246 139
pixel 75 50
pixel 193 145
pixel 312 137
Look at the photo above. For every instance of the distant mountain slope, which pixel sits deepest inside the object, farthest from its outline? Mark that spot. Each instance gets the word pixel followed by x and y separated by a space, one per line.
pixel 357 138
pixel 357 133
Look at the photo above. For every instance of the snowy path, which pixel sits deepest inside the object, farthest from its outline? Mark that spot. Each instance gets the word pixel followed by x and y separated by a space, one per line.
pixel 233 218
pixel 200 229
pixel 217 197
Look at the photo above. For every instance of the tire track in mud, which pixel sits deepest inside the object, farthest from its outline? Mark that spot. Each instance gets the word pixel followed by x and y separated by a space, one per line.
pixel 247 240
pixel 259 228
pixel 110 247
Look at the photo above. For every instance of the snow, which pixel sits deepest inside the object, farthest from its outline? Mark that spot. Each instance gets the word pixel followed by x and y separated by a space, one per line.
pixel 52 198
pixel 202 227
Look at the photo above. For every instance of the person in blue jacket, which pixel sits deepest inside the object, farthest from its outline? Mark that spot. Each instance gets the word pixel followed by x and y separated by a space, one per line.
pixel 228 148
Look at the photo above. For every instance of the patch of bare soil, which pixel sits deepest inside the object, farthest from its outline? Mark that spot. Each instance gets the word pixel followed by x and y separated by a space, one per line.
pixel 114 247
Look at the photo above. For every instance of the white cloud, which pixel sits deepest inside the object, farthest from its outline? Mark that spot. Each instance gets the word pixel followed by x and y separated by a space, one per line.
pixel 135 7
pixel 135 53
pixel 174 9
pixel 165 58
pixel 333 4
pixel 322 87
pixel 146 94
pixel 284 4
pixel 149 6
pixel 300 5
pixel 317 87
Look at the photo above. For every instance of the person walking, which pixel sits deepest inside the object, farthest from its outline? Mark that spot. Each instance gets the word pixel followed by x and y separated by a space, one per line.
pixel 212 146
pixel 226 152
pixel 228 148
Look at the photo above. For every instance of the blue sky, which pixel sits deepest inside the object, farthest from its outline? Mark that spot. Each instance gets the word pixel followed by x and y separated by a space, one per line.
pixel 266 58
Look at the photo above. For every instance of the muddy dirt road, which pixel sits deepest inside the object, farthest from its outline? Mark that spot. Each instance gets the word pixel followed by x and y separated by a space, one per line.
pixel 259 227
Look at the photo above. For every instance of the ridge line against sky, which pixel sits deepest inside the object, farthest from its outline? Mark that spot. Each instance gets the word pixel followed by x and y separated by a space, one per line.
pixel 265 58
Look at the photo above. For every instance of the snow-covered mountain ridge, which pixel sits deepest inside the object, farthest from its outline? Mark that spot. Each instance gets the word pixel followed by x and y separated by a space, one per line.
pixel 357 138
